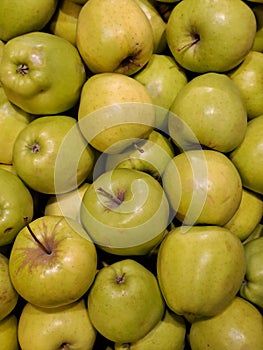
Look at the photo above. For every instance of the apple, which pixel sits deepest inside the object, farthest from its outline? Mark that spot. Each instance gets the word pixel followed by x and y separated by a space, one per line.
pixel 238 326
pixel 64 21
pixel 168 334
pixel 257 8
pixel 52 262
pixel 252 288
pixel 203 187
pixel 200 270
pixel 8 294
pixel 247 216
pixel 206 36
pixel 41 155
pixel 66 204
pixel 42 73
pixel 256 233
pixel 125 212
pixel 8 333
pixel 67 327
pixel 248 156
pixel 248 78
pixel 150 155
pixel 15 204
pixel 12 121
pixel 8 167
pixel 125 301
pixel 114 109
pixel 14 20
pixel 163 78
pixel 121 42
pixel 216 115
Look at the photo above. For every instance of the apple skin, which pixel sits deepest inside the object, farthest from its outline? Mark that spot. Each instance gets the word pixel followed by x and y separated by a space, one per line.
pixel 134 225
pixel 257 8
pixel 240 326
pixel 60 276
pixel 8 333
pixel 122 42
pixel 200 270
pixel 248 156
pixel 248 79
pixel 8 294
pixel 197 184
pixel 40 155
pixel 15 21
pixel 125 301
pixel 65 327
pixel 216 115
pixel 54 80
pixel 206 36
pixel 252 288
pixel 16 203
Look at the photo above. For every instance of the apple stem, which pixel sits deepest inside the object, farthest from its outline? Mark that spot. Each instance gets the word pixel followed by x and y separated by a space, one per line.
pixel 138 148
pixel 46 250
pixel 195 40
pixel 110 196
pixel 120 279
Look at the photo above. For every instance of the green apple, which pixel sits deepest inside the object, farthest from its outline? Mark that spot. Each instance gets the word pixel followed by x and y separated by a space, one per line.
pixel 168 334
pixel 8 167
pixel 64 21
pixel 80 2
pixel 51 156
pixel 20 17
pixel 248 78
pixel 125 301
pixel 42 73
pixel 238 327
pixel 52 261
pixel 66 204
pixel 200 270
pixel 12 121
pixel 257 8
pixel 16 202
pixel 247 216
pixel 163 78
pixel 203 187
pixel 206 36
pixel 252 288
pixel 216 113
pixel 8 294
pixel 113 109
pixel 66 327
pixel 151 155
pixel 121 42
pixel 256 233
pixel 8 333
pixel 248 156
pixel 157 23
pixel 125 212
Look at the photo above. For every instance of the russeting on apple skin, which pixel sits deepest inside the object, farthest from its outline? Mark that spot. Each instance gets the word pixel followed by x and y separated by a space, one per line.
pixel 42 73
pixel 125 301
pixel 52 262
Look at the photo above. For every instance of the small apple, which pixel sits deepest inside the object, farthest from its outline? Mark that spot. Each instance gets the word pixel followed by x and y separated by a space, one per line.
pixel 238 327
pixel 125 301
pixel 15 15
pixel 122 42
pixel 42 73
pixel 52 261
pixel 203 187
pixel 216 113
pixel 114 109
pixel 67 327
pixel 8 333
pixel 8 294
pixel 206 36
pixel 200 270
pixel 125 212
pixel 16 202
pixel 248 156
pixel 51 156
pixel 168 334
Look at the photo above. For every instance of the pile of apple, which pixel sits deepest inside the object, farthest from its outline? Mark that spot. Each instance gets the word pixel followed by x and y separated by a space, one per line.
pixel 131 175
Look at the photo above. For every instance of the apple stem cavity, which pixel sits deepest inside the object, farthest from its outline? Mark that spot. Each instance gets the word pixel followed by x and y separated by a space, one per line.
pixel 22 69
pixel 44 248
pixel 120 279
pixel 138 148
pixel 115 201
pixel 195 40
